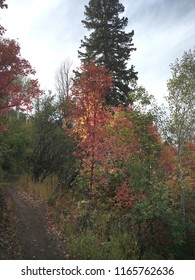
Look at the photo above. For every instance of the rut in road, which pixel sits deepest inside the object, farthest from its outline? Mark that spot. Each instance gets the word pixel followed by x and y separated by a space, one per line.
pixel 36 242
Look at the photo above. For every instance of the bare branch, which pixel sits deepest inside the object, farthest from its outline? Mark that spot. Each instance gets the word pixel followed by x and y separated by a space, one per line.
pixel 64 79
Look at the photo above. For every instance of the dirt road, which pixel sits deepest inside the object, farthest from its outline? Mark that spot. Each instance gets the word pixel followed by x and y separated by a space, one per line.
pixel 36 240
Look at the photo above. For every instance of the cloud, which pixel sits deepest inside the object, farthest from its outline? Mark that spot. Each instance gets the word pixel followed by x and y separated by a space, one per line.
pixel 163 31
pixel 44 31
pixel 49 31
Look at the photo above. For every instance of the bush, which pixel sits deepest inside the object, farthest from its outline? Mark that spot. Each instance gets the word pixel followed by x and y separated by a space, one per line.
pixel 95 237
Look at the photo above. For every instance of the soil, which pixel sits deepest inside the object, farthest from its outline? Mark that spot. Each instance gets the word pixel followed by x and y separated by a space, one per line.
pixel 36 237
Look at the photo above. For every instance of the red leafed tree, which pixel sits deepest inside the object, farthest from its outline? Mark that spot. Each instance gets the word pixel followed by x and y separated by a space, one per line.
pixel 90 113
pixel 124 197
pixel 188 160
pixel 105 137
pixel 13 68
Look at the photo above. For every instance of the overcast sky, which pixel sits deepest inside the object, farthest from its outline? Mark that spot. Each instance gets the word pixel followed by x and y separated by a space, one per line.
pixel 49 31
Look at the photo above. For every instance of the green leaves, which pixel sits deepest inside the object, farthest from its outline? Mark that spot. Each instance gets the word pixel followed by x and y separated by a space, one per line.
pixel 181 98
pixel 52 148
pixel 15 146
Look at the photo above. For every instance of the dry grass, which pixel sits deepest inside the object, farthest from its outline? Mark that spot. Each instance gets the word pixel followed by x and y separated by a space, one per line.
pixel 62 203
pixel 43 190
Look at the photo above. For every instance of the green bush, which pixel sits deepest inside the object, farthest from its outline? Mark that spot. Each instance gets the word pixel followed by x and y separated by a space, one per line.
pixel 88 246
pixel 98 238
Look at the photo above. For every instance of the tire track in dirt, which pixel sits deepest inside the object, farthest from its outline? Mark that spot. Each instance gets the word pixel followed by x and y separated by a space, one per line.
pixel 35 241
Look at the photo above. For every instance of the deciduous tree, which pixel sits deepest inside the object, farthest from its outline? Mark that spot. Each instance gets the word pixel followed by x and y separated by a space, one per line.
pixel 52 148
pixel 13 68
pixel 64 80
pixel 90 114
pixel 181 100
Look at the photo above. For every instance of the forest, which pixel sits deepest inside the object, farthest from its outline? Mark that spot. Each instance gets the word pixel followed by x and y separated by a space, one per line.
pixel 116 168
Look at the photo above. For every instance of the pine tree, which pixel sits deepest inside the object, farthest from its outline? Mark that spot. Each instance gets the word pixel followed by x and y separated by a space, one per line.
pixel 110 45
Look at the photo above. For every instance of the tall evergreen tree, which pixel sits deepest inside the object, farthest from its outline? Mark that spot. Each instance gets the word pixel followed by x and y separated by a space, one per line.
pixel 110 45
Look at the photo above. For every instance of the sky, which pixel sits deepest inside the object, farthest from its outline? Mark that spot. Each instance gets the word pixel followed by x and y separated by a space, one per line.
pixel 50 31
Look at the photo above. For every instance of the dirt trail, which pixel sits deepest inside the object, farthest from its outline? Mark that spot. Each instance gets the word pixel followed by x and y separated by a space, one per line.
pixel 36 241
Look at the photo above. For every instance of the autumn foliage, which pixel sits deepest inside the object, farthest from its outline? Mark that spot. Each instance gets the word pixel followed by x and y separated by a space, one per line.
pixel 120 150
pixel 123 190
pixel 126 169
pixel 17 88
pixel 89 114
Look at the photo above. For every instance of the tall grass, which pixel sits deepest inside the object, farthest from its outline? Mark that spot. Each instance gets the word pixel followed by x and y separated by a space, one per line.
pixel 43 190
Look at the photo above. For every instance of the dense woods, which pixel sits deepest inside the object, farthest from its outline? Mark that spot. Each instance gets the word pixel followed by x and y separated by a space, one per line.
pixel 119 178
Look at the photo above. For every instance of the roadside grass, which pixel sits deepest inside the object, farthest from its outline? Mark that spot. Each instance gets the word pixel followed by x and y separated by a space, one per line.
pixel 42 190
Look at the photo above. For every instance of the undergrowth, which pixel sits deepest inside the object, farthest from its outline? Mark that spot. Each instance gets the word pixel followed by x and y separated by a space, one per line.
pixel 43 190
pixel 88 235
pixel 92 233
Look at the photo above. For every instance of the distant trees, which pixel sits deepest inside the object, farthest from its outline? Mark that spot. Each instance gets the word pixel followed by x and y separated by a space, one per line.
pixel 64 80
pixel 110 45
